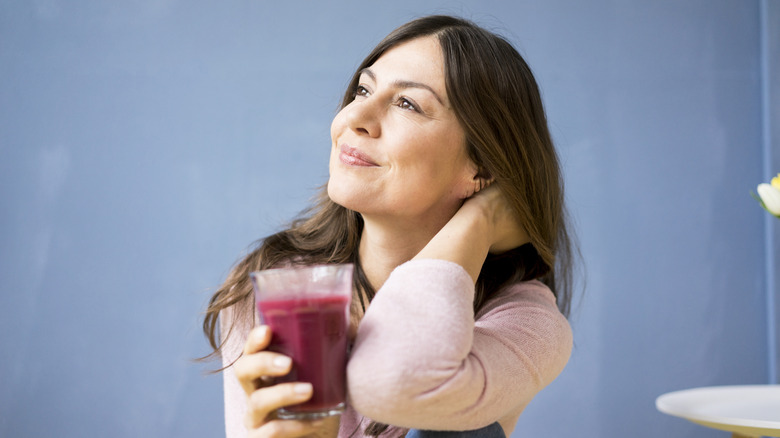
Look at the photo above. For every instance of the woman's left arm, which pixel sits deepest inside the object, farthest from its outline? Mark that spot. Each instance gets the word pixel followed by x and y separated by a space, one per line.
pixel 421 361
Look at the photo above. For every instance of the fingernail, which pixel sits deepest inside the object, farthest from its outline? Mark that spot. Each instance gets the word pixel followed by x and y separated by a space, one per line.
pixel 260 332
pixel 282 362
pixel 302 388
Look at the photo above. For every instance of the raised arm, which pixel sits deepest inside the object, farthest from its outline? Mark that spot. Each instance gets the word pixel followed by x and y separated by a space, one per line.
pixel 420 360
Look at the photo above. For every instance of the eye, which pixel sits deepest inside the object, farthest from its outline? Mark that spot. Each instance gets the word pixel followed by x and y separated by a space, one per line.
pixel 361 91
pixel 407 104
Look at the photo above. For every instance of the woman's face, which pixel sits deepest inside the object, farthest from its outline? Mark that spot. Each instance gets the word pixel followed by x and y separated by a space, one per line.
pixel 398 149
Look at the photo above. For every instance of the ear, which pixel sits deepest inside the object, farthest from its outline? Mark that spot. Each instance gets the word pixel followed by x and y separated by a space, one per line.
pixel 480 179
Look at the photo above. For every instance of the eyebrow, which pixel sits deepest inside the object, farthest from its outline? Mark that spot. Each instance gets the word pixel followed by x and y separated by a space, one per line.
pixel 404 84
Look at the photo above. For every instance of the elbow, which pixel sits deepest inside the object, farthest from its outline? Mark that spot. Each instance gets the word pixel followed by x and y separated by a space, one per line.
pixel 413 394
pixel 376 390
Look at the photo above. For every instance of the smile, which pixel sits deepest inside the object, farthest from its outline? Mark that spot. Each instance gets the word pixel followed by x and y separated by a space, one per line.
pixel 353 157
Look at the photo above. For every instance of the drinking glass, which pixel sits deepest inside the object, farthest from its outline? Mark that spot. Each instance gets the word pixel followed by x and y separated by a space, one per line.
pixel 307 309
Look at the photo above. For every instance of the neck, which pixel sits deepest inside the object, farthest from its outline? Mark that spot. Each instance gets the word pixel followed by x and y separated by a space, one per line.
pixel 385 246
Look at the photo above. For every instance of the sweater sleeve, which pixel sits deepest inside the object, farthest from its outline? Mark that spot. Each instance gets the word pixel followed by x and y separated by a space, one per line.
pixel 420 359
pixel 235 399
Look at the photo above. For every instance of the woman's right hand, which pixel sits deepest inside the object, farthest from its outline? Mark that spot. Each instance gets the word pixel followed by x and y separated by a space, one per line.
pixel 255 371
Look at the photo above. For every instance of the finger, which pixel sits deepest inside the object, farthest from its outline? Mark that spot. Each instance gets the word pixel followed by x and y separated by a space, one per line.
pixel 286 428
pixel 258 339
pixel 266 400
pixel 250 369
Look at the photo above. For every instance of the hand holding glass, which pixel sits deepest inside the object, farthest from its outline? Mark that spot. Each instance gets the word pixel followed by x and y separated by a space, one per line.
pixel 307 309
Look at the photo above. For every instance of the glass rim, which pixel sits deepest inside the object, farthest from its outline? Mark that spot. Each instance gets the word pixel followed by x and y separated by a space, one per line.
pixel 302 268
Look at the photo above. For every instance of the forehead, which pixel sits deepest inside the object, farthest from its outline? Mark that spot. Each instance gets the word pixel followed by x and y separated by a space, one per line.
pixel 418 60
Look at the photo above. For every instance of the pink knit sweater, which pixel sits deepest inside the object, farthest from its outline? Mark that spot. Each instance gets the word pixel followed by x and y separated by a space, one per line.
pixel 423 360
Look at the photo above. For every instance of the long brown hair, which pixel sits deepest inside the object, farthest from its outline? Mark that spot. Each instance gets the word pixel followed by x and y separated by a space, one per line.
pixel 497 101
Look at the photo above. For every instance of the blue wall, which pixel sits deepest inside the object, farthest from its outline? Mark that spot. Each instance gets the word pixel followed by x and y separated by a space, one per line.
pixel 770 25
pixel 145 144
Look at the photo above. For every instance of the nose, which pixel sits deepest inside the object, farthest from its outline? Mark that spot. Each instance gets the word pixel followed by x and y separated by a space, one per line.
pixel 363 117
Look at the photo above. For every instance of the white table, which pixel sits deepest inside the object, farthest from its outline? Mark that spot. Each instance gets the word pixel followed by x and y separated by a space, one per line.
pixel 745 411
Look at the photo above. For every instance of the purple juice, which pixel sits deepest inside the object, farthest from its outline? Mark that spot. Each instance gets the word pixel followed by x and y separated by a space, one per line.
pixel 313 332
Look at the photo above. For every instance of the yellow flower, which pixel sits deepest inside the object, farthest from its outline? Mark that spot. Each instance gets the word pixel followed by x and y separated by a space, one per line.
pixel 776 182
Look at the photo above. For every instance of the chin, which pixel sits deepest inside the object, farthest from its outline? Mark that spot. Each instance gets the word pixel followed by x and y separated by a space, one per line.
pixel 340 196
pixel 356 200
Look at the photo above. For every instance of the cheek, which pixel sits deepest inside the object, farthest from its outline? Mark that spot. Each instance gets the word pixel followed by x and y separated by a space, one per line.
pixel 334 129
pixel 337 125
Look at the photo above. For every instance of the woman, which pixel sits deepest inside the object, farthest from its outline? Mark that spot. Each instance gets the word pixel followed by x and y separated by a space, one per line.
pixel 445 192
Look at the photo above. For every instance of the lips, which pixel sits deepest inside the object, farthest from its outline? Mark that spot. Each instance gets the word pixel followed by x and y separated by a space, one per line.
pixel 354 157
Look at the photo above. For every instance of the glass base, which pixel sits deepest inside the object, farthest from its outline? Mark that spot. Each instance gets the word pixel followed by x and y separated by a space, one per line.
pixel 286 414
